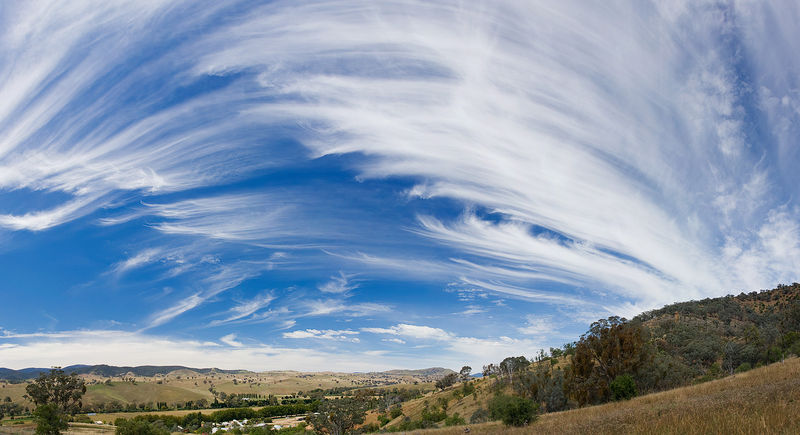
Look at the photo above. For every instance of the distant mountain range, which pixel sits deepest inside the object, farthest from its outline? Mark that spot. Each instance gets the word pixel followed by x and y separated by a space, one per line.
pixel 148 371
pixel 431 372
pixel 107 370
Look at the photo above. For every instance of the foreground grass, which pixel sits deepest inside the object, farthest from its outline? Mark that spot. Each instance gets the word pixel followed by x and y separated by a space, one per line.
pixel 762 401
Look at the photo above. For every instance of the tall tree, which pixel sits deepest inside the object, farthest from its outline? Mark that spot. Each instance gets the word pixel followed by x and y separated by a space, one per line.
pixel 64 391
pixel 446 381
pixel 338 417
pixel 465 372
pixel 50 420
pixel 511 365
pixel 612 347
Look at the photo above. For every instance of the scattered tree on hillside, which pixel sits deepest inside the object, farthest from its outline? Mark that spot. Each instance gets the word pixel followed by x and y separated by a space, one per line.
pixel 465 372
pixel 337 417
pixel 447 380
pixel 512 365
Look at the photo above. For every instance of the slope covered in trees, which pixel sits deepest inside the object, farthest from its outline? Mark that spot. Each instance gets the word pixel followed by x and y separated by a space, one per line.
pixel 616 359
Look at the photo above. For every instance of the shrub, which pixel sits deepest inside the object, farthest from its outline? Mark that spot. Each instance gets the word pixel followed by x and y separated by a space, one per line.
pixel 513 410
pixel 82 418
pixel 743 367
pixel 433 415
pixel 396 412
pixel 454 420
pixel 370 428
pixel 139 427
pixel 481 415
pixel 622 387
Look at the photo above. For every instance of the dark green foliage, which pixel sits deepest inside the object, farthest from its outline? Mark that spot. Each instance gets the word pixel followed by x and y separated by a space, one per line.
pixel 454 420
pixel 58 388
pixel 513 410
pixel 664 372
pixel 82 418
pixel 433 415
pixel 396 412
pixel 383 419
pixel 370 428
pixel 140 427
pixel 743 367
pixel 467 388
pixel 55 394
pixel 50 419
pixel 481 415
pixel 10 408
pixel 622 387
pixel 297 430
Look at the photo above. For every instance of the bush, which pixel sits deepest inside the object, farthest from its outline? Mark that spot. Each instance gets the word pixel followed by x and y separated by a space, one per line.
pixel 454 420
pixel 622 387
pixel 396 412
pixel 513 410
pixel 370 428
pixel 82 418
pixel 481 415
pixel 433 415
pixel 743 367
pixel 139 427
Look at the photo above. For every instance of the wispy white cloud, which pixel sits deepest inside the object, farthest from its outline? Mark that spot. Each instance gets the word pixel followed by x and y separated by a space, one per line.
pixel 140 259
pixel 393 340
pixel 471 310
pixel 245 309
pixel 539 326
pixel 624 164
pixel 610 148
pixel 225 277
pixel 328 307
pixel 326 334
pixel 230 340
pixel 338 284
pixel 412 331
pixel 473 350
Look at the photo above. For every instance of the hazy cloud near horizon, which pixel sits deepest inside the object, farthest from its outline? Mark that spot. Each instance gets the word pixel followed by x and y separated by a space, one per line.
pixel 408 181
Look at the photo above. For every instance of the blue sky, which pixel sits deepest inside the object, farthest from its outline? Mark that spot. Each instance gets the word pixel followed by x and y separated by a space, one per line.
pixel 357 185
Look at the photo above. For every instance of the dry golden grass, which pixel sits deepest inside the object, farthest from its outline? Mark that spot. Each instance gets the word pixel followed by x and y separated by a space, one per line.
pixel 762 401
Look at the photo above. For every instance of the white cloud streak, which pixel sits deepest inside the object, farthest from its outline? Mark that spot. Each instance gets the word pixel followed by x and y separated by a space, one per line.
pixel 130 348
pixel 326 334
pixel 602 146
pixel 601 124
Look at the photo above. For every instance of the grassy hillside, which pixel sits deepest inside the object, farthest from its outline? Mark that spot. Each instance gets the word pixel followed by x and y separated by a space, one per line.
pixel 182 386
pixel 678 345
pixel 761 401
pixel 125 392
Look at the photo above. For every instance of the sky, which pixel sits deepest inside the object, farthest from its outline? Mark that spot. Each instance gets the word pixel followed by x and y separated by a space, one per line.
pixel 358 185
